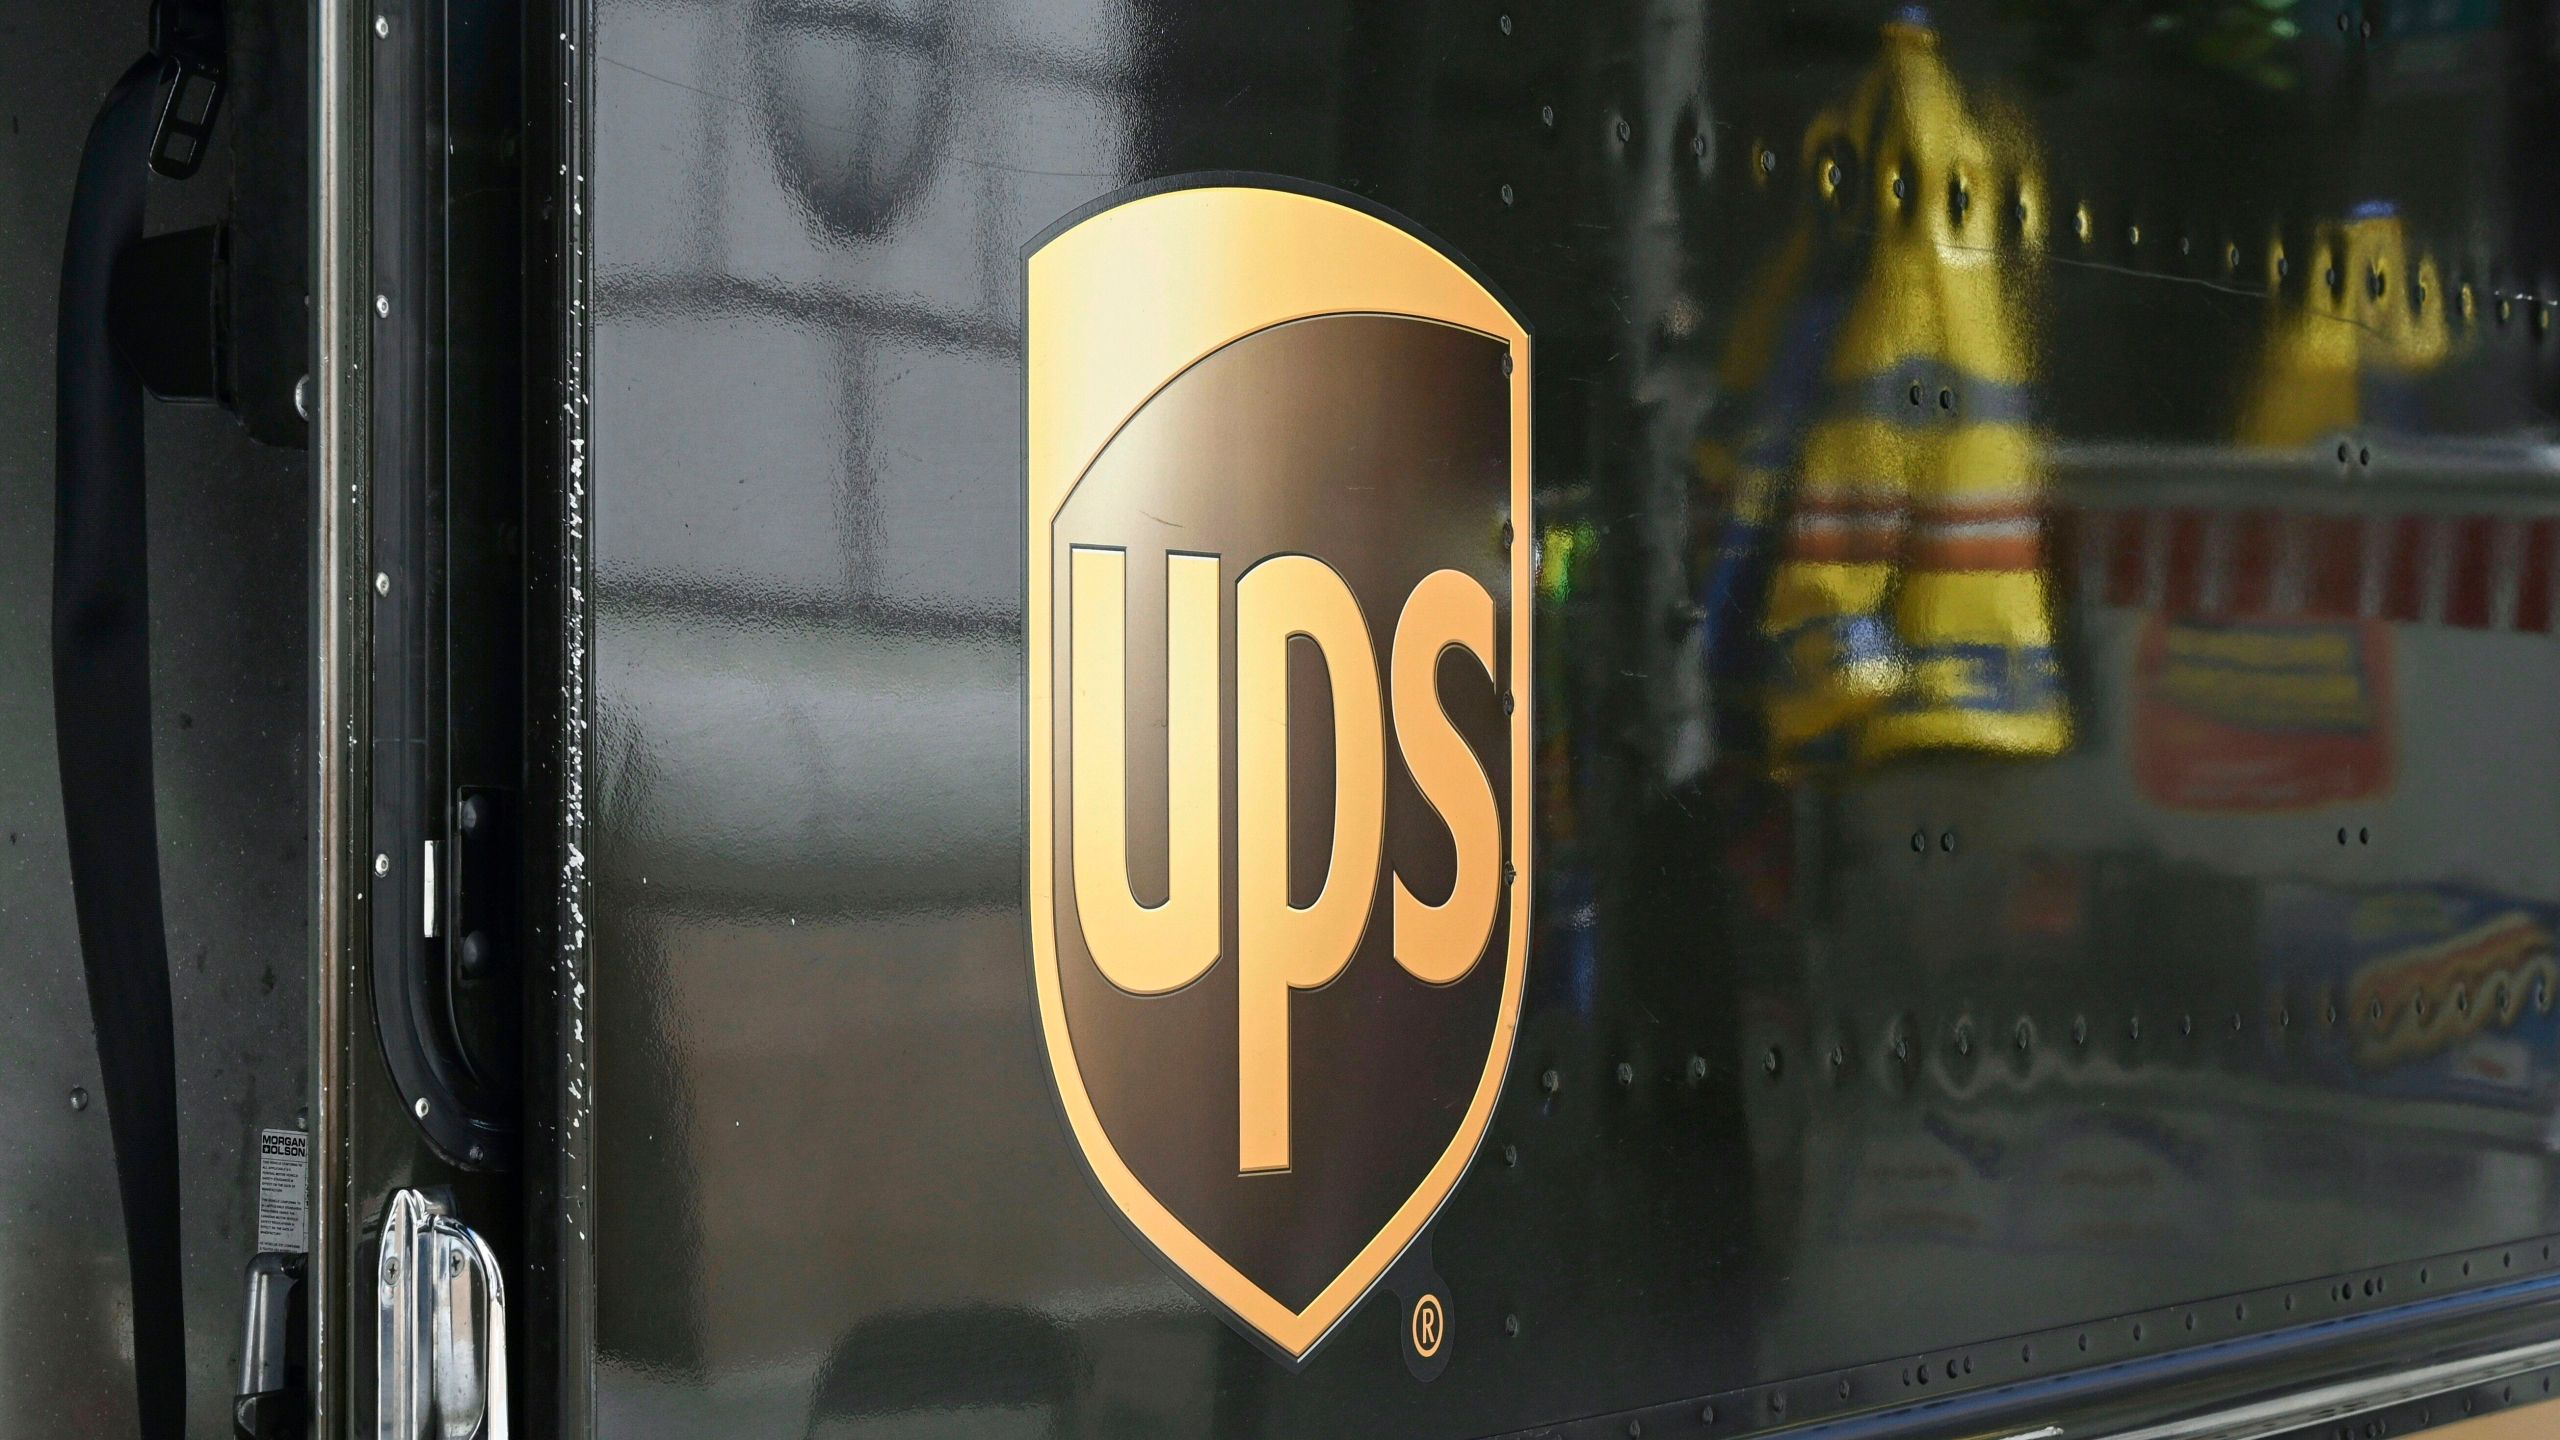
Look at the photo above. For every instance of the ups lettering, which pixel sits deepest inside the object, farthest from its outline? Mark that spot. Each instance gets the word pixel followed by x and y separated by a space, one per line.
pixel 1280 947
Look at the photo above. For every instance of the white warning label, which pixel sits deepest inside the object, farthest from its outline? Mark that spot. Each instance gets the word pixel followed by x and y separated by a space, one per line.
pixel 284 1194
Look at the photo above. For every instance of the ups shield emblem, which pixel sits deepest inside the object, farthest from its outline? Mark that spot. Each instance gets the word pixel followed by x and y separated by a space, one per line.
pixel 1278 487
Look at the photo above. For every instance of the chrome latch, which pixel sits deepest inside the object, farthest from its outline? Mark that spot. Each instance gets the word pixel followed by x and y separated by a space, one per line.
pixel 441 1331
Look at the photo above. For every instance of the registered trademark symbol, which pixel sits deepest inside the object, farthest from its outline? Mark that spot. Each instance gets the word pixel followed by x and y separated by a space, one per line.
pixel 1429 1322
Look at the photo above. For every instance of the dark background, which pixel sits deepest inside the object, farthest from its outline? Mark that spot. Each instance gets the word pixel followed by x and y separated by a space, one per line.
pixel 1818 1099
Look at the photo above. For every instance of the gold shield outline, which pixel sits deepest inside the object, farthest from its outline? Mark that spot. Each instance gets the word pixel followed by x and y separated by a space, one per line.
pixel 1118 305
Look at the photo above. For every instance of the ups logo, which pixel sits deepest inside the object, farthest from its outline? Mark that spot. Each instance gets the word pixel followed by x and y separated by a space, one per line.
pixel 1278 647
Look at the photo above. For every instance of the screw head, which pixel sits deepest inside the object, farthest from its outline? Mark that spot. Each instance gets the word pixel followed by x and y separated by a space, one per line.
pixel 381 864
pixel 420 1109
pixel 381 582
pixel 79 1099
pixel 382 306
pixel 382 26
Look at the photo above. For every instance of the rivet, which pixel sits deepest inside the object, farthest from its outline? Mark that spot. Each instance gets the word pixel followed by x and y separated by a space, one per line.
pixel 1698 146
pixel 1510 873
pixel 1844 1389
pixel 381 582
pixel 1550 1082
pixel 1505 22
pixel 1511 1325
pixel 1946 401
pixel 2080 222
pixel 1507 197
pixel 1919 842
pixel 79 1099
pixel 2231 258
pixel 2079 1029
pixel 1901 188
pixel 2025 1035
pixel 1831 175
pixel 1506 535
pixel 382 306
pixel 1773 1062
pixel 2186 1025
pixel 2133 1027
pixel 381 864
pixel 1697 1067
pixel 1547 116
pixel 1626 132
pixel 1707 1415
pixel 1768 162
pixel 420 1109
pixel 1964 1037
pixel 1626 1073
pixel 1511 1155
pixel 2133 234
pixel 1509 704
pixel 382 26
pixel 302 398
pixel 2284 267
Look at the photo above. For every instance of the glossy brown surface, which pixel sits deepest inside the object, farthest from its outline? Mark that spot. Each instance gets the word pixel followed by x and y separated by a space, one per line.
pixel 2048 790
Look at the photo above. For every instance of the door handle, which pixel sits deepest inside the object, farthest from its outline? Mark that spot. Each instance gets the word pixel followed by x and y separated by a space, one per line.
pixel 441 1327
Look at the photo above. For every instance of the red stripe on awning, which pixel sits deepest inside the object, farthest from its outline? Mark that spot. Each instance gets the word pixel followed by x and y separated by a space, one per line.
pixel 2182 591
pixel 2533 586
pixel 2466 601
pixel 2333 566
